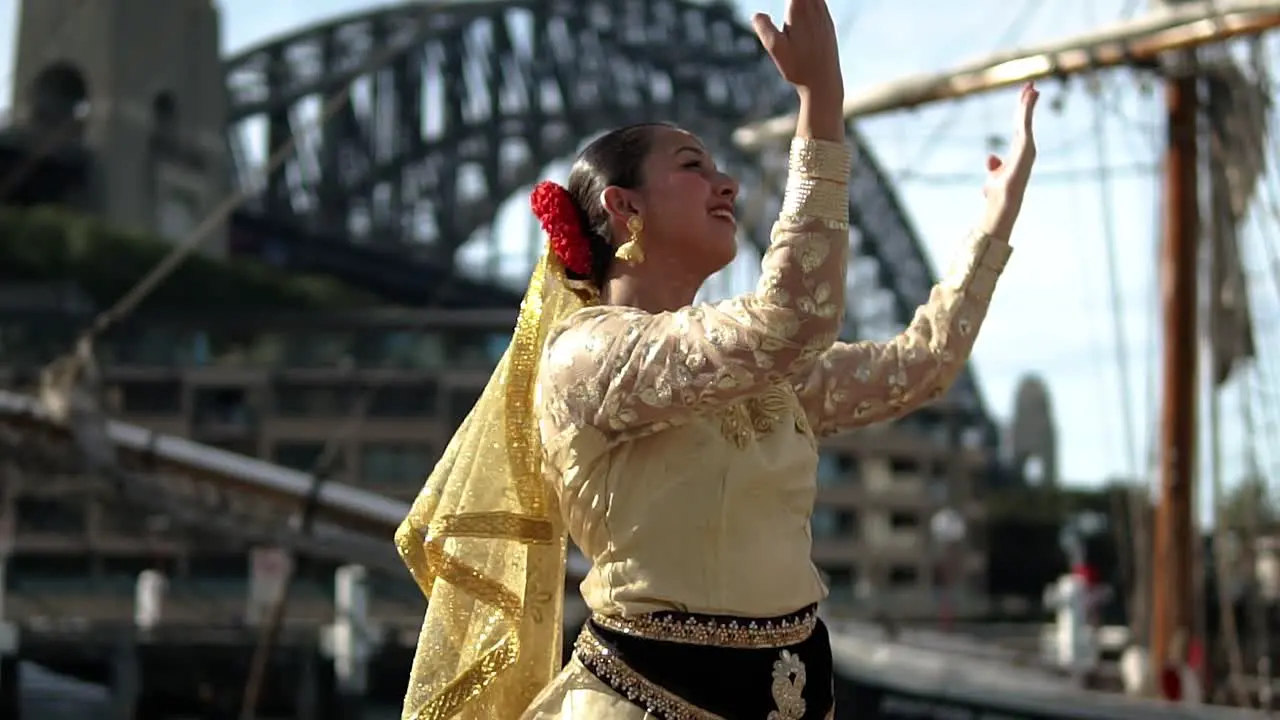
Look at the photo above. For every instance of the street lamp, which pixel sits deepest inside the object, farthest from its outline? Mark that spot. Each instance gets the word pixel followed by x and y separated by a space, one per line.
pixel 1076 531
pixel 948 529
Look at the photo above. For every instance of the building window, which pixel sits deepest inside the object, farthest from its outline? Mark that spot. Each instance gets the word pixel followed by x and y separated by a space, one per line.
pixel 313 400
pixel 829 474
pixel 841 581
pixel 836 469
pixel 476 350
pixel 302 456
pixel 904 466
pixel 903 576
pixel 224 408
pixel 220 567
pixel 150 398
pixel 416 400
pixel 904 521
pixel 45 515
pixel 395 464
pixel 831 522
pixel 245 447
pixel 35 572
pixel 402 349
pixel 461 400
pixel 122 572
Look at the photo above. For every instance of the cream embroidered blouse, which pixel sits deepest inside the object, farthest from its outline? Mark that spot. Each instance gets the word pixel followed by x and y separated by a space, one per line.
pixel 682 444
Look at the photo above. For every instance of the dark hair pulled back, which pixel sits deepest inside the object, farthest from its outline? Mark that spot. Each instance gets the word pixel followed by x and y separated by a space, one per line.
pixel 614 159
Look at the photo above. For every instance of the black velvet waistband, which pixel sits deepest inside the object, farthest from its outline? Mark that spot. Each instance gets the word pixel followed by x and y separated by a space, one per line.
pixel 682 681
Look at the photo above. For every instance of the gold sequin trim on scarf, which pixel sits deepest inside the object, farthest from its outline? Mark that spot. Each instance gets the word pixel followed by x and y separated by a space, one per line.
pixel 632 685
pixel 717 632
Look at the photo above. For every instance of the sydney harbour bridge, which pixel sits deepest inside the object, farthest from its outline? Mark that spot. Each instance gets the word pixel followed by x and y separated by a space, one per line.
pixel 455 108
pixel 382 148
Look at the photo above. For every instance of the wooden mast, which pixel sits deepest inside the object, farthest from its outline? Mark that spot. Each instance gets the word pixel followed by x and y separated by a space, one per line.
pixel 1172 616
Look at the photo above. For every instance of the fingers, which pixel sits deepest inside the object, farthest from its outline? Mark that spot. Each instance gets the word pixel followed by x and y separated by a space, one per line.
pixel 805 48
pixel 811 9
pixel 766 31
pixel 1027 107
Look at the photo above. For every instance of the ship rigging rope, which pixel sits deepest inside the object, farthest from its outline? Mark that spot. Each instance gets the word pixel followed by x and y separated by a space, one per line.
pixel 1115 300
pixel 1265 397
pixel 1265 212
pixel 934 138
pixel 1128 521
pixel 1132 564
pixel 1254 396
pixel 1215 239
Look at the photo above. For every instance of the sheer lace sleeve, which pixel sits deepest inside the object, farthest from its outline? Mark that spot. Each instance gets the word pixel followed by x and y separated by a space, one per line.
pixel 618 368
pixel 855 384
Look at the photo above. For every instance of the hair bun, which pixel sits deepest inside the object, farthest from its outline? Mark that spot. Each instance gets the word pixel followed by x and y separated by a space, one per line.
pixel 554 207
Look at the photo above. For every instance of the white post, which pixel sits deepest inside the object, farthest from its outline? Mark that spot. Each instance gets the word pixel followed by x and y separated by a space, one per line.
pixel 351 642
pixel 148 599
pixel 1074 645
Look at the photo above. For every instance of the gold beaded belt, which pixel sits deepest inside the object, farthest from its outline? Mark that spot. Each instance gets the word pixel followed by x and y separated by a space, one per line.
pixel 715 630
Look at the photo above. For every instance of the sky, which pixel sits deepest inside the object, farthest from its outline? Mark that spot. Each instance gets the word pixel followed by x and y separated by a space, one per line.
pixel 1051 315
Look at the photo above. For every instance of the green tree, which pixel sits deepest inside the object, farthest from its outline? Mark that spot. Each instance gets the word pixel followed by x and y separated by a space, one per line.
pixel 52 244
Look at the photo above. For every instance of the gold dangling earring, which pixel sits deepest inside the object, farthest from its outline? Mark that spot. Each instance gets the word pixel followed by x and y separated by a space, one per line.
pixel 631 252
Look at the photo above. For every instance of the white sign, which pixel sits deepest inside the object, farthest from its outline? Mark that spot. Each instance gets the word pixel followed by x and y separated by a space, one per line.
pixel 269 570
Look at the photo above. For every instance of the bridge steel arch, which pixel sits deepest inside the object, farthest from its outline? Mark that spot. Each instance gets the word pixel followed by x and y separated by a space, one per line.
pixel 476 99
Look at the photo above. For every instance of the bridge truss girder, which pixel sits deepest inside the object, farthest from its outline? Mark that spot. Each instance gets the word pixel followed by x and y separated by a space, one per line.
pixel 456 107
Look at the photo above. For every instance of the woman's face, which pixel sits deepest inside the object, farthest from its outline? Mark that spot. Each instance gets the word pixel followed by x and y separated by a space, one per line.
pixel 687 204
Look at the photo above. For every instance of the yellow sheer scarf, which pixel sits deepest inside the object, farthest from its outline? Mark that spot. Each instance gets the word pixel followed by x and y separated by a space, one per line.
pixel 486 543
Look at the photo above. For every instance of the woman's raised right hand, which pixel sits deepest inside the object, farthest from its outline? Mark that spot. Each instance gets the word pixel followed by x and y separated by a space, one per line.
pixel 805 49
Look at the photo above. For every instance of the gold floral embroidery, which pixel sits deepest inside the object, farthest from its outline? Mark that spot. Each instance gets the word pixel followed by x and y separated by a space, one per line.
pixel 788 687
pixel 735 424
pixel 755 417
pixel 856 384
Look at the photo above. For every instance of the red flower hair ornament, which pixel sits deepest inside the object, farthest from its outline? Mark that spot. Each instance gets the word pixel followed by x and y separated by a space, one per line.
pixel 555 209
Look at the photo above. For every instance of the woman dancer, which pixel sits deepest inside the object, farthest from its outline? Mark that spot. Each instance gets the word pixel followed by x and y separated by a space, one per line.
pixel 676 444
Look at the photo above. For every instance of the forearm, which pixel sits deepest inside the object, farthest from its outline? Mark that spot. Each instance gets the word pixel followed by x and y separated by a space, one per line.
pixel 802 274
pixel 1000 214
pixel 855 384
pixel 821 115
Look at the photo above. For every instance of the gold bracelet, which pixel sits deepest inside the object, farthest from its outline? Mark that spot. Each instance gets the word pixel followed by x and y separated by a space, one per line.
pixel 809 198
pixel 821 159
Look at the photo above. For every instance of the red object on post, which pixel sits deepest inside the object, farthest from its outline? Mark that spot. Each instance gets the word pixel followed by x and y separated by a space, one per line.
pixel 1171 684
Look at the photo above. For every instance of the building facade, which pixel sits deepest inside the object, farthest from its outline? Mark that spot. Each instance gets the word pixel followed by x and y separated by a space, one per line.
pixel 371 399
